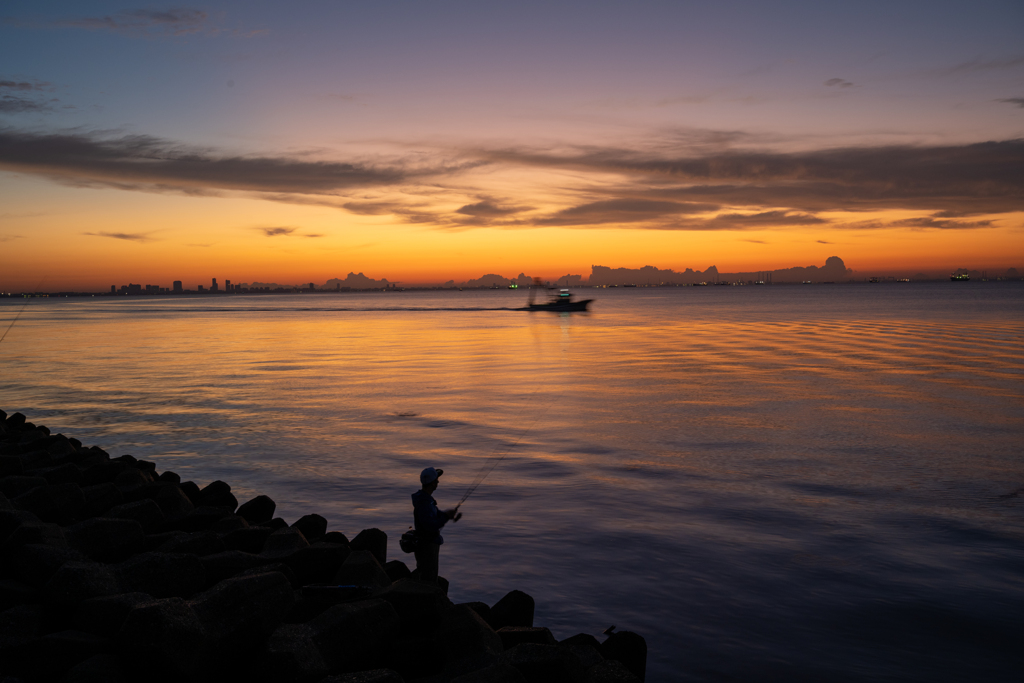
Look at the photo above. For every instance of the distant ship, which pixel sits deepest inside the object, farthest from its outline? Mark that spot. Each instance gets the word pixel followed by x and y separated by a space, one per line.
pixel 959 277
pixel 562 302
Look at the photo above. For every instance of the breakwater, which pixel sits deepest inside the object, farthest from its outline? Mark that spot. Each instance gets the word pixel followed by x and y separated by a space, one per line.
pixel 114 571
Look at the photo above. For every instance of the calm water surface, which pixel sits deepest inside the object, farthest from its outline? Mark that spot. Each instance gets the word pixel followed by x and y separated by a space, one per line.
pixel 769 483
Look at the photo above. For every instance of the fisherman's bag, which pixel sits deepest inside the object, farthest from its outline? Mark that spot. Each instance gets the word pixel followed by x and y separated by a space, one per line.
pixel 408 541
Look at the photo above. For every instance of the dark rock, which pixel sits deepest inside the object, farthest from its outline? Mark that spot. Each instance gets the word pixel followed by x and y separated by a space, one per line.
pixel 5 503
pixel 228 523
pixel 191 489
pixel 481 608
pixel 258 510
pixel 203 518
pixel 463 634
pixel 130 479
pixel 146 466
pixel 514 635
pixel 239 614
pixel 496 673
pixel 355 636
pixel 154 541
pixel 163 638
pixel 99 498
pixel 15 593
pixel 419 605
pixel 362 569
pixel 57 503
pixel 335 537
pixel 416 657
pixel 103 472
pixel 14 486
pixel 584 646
pixel 15 422
pixel 280 567
pixel 20 624
pixel 515 609
pixel 146 512
pixel 74 582
pixel 35 563
pixel 275 524
pixel 372 676
pixel 104 539
pixel 313 527
pixel 174 503
pixel 630 649
pixel 10 465
pixel 23 528
pixel 443 584
pixel 60 446
pixel 199 544
pixel 284 542
pixel 170 477
pixel 51 655
pixel 96 669
pixel 374 540
pixel 249 540
pixel 290 656
pixel 396 569
pixel 163 575
pixel 218 494
pixel 67 473
pixel 76 443
pixel 610 671
pixel 545 663
pixel 224 565
pixel 104 616
pixel 317 563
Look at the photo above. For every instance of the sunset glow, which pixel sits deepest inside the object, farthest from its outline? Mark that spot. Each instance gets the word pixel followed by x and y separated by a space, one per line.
pixel 432 144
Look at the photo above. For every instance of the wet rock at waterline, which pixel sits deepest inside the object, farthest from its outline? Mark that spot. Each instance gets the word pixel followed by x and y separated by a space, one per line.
pixel 114 571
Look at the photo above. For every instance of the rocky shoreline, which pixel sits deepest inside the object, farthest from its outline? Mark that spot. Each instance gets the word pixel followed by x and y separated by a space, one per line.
pixel 113 571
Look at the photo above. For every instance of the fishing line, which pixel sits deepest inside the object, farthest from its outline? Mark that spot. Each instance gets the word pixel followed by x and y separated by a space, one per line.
pixel 23 306
pixel 487 470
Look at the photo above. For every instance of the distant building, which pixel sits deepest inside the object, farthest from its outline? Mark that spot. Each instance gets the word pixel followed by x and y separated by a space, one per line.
pixel 227 286
pixel 134 289
pixel 113 289
pixel 213 285
pixel 201 288
pixel 177 287
pixel 311 286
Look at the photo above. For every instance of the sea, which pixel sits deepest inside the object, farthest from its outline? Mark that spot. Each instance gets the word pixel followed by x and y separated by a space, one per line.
pixel 769 483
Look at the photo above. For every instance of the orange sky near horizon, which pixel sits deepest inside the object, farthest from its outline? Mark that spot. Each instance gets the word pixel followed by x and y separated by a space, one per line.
pixel 421 145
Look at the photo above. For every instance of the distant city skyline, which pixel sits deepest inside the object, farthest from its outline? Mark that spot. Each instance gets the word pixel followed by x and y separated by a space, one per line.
pixel 427 143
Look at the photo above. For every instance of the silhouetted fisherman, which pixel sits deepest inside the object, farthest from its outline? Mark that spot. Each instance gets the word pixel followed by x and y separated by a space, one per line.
pixel 429 520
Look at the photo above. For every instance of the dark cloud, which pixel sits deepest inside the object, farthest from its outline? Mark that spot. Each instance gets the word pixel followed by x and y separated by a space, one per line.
pixel 824 242
pixel 313 235
pixel 8 238
pixel 26 86
pixel 755 241
pixel 147 163
pixel 1019 101
pixel 766 219
pixel 487 209
pixel 940 224
pixel 834 82
pixel 130 236
pixel 986 177
pixel 274 232
pixel 173 22
pixel 10 104
pixel 622 211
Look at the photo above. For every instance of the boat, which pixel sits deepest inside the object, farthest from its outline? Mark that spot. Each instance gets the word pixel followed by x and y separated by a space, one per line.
pixel 562 302
pixel 960 277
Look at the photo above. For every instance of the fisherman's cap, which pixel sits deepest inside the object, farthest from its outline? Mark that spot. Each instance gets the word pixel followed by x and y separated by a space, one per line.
pixel 430 475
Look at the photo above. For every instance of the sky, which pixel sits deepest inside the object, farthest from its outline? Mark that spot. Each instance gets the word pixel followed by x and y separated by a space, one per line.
pixel 435 140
